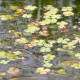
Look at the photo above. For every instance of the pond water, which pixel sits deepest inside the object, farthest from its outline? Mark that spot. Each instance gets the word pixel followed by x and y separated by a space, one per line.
pixel 19 60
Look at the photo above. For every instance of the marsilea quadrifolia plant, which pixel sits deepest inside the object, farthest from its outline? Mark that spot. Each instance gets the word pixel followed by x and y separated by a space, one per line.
pixel 52 16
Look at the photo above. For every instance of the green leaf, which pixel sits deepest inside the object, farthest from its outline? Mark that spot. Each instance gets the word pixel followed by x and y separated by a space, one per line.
pixel 30 7
pixel 48 45
pixel 26 15
pixel 2 73
pixel 6 17
pixel 61 71
pixel 47 65
pixel 49 57
pixel 13 7
pixel 44 49
pixel 17 52
pixel 4 62
pixel 76 65
pixel 60 40
pixel 24 40
pixel 77 55
pixel 2 54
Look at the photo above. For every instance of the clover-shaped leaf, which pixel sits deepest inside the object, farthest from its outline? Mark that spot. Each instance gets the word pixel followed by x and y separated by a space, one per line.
pixel 2 73
pixel 61 71
pixel 77 55
pixel 44 49
pixel 62 23
pixel 68 13
pixel 21 40
pixel 26 15
pixel 41 70
pixel 67 8
pixel 2 54
pixel 48 7
pixel 20 11
pixel 47 64
pixel 48 45
pixel 30 7
pixel 6 17
pixel 61 40
pixel 4 61
pixel 17 52
pixel 49 57
pixel 76 65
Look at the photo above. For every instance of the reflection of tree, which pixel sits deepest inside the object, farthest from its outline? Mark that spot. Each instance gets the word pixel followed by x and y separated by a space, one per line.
pixel 77 9
pixel 40 4
pixel 19 3
pixel 77 2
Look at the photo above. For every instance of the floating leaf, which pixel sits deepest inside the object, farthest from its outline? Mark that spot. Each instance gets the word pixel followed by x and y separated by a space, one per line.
pixel 2 73
pixel 77 39
pixel 17 52
pixel 47 64
pixel 61 71
pixel 26 15
pixel 6 17
pixel 28 45
pixel 61 26
pixel 48 7
pixel 21 40
pixel 13 71
pixel 61 40
pixel 51 41
pixel 2 54
pixel 67 8
pixel 30 7
pixel 74 27
pixel 3 62
pixel 13 7
pixel 48 45
pixel 68 13
pixel 20 11
pixel 41 70
pixel 44 49
pixel 77 55
pixel 63 23
pixel 44 33
pixel 31 29
pixel 49 57
pixel 76 65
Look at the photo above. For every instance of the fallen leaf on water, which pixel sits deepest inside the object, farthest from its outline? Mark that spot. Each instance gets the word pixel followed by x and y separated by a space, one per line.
pixel 44 33
pixel 44 28
pixel 20 11
pixel 13 71
pixel 10 51
pixel 76 65
pixel 27 45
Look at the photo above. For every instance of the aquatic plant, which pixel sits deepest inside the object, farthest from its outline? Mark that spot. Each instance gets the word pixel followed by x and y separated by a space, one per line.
pixel 13 7
pixel 42 70
pixel 47 59
pixel 67 11
pixel 38 30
